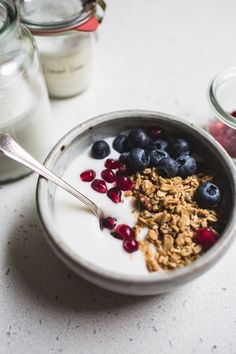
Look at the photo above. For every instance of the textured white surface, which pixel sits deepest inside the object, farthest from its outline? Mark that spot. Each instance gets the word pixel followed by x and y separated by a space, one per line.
pixel 160 57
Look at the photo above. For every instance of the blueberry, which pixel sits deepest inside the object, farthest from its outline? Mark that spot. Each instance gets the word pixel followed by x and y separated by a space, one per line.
pixel 167 167
pixel 100 149
pixel 156 156
pixel 139 139
pixel 187 165
pixel 123 158
pixel 179 147
pixel 151 146
pixel 160 144
pixel 207 195
pixel 120 143
pixel 138 159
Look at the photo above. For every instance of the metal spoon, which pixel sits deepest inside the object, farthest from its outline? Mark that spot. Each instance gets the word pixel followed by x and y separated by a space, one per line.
pixel 10 148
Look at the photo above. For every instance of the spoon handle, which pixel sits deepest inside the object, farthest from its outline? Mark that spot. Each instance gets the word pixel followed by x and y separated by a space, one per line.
pixel 10 148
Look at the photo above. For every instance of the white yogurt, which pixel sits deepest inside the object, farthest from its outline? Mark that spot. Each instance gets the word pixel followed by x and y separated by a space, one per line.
pixel 79 228
pixel 27 118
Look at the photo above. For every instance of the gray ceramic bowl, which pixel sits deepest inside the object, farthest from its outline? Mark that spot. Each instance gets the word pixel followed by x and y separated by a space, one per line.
pixel 78 139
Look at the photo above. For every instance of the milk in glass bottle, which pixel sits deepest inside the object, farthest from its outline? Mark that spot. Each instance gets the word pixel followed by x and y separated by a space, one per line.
pixel 24 105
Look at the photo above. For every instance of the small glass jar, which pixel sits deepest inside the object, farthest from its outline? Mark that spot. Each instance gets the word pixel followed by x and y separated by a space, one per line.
pixel 24 105
pixel 62 32
pixel 222 124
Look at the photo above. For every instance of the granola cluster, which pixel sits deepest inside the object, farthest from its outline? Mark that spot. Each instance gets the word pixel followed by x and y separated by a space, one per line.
pixel 167 218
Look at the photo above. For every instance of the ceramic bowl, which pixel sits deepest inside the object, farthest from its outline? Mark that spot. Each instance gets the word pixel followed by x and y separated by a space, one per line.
pixel 82 136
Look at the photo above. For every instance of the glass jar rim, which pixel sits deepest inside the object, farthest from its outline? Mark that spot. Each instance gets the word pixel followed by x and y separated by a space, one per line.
pixel 217 81
pixel 84 19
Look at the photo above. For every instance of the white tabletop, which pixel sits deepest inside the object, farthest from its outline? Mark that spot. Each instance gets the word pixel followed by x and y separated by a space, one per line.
pixel 161 57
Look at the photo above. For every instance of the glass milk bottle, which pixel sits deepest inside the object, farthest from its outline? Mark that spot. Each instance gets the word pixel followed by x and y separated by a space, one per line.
pixel 62 31
pixel 24 105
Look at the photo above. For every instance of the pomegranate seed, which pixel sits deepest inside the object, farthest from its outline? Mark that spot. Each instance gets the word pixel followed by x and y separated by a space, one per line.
pixel 117 235
pixel 206 237
pixel 108 175
pixel 124 182
pixel 130 245
pixel 112 164
pixel 123 169
pixel 124 232
pixel 154 132
pixel 109 223
pixel 88 175
pixel 114 194
pixel 99 186
pixel 118 174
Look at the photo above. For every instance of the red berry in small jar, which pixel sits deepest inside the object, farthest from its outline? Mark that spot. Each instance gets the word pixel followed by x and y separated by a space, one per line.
pixel 225 135
pixel 206 237
pixel 124 231
pixel 233 114
pixel 99 186
pixel 87 175
pixel 108 175
pixel 154 132
pixel 130 245
pixel 123 182
pixel 112 164
pixel 109 223
pixel 114 194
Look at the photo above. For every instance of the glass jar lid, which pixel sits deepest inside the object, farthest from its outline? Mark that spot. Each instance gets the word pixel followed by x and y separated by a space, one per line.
pixel 47 17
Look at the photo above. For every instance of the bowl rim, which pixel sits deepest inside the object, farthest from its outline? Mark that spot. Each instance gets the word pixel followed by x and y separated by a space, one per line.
pixel 71 258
